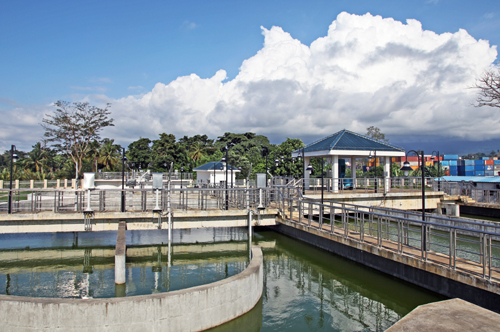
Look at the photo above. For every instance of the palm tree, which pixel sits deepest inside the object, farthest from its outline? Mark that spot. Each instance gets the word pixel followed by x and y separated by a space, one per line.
pixel 197 151
pixel 109 154
pixel 37 158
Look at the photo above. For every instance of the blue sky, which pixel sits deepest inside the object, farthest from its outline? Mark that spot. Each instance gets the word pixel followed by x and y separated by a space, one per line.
pixel 103 51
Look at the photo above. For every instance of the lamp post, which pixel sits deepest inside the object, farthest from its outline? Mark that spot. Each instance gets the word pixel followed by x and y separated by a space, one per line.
pixel 322 179
pixel 232 177
pixel 375 162
pixel 215 164
pixel 224 159
pixel 182 172
pixel 439 168
pixel 265 152
pixel 406 168
pixel 303 173
pixel 13 159
pixel 123 179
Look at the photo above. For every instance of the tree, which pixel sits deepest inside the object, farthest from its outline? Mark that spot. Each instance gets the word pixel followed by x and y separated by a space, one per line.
pixel 374 132
pixel 74 126
pixel 139 152
pixel 489 89
pixel 109 154
pixel 37 159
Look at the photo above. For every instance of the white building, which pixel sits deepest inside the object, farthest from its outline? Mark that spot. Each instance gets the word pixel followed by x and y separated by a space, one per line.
pixel 215 172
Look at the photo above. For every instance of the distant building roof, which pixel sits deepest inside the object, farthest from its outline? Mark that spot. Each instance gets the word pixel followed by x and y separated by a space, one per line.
pixel 348 141
pixel 217 164
pixel 491 179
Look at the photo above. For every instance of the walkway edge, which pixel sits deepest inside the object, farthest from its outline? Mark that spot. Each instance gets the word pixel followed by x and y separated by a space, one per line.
pixel 193 309
pixel 424 274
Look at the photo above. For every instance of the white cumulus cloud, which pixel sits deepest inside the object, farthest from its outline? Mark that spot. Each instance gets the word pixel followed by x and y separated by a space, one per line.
pixel 366 71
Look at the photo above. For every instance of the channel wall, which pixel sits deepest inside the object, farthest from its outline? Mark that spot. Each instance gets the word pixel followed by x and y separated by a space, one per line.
pixel 192 309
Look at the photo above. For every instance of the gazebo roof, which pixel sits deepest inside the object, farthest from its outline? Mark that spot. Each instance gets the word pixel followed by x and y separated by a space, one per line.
pixel 217 164
pixel 349 143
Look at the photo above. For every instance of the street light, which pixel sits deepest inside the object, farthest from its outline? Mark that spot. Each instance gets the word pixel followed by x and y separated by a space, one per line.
pixel 265 152
pixel 182 172
pixel 124 159
pixel 225 159
pixel 303 173
pixel 13 159
pixel 322 180
pixel 375 156
pixel 215 164
pixel 439 168
pixel 406 168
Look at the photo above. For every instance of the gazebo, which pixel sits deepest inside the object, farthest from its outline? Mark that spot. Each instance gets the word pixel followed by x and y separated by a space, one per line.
pixel 215 172
pixel 346 144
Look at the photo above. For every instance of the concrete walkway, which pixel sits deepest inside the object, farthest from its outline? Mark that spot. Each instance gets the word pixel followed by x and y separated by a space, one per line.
pixel 451 315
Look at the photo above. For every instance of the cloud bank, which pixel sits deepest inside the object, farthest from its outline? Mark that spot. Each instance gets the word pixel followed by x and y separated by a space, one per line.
pixel 366 71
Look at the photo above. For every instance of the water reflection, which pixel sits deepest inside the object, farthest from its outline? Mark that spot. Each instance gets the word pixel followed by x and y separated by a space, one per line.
pixel 307 289
pixel 74 267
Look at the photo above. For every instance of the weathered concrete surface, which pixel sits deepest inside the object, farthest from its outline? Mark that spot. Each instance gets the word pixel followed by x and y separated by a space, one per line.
pixel 108 221
pixel 192 309
pixel 120 254
pixel 426 274
pixel 452 315
pixel 400 200
pixel 484 210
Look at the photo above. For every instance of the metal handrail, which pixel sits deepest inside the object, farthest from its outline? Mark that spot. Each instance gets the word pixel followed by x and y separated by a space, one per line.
pixel 404 225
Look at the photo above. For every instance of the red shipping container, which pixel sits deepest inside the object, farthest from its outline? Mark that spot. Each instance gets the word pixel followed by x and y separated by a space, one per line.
pixel 489 162
pixel 412 159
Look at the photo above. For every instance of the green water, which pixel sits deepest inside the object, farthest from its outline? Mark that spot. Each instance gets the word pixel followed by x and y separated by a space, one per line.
pixel 308 289
pixel 305 288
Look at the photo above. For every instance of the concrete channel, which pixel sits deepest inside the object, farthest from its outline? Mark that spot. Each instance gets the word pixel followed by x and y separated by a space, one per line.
pixel 192 309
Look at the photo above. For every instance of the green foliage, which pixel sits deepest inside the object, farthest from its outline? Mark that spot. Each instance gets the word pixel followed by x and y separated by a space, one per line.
pixel 375 133
pixel 139 153
pixel 74 127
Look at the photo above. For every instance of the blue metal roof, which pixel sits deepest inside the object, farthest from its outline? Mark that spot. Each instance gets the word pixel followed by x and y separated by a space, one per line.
pixel 210 166
pixel 492 179
pixel 348 140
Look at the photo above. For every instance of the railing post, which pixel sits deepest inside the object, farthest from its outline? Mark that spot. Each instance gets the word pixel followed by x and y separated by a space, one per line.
pixel 484 249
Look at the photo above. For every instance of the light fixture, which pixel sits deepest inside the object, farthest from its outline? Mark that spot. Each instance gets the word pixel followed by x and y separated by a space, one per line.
pixel 406 168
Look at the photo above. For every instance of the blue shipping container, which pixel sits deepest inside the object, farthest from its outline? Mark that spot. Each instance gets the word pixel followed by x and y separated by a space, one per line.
pixel 468 162
pixel 478 162
pixel 445 163
pixel 488 167
pixel 489 173
pixel 470 173
pixel 450 157
pixel 479 173
pixel 469 168
pixel 453 173
pixel 479 167
pixel 453 168
pixel 453 163
pixel 496 162
pixel 485 158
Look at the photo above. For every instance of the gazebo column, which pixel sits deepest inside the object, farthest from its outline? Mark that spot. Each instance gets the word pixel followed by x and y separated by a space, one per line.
pixel 387 174
pixel 335 174
pixel 353 171
pixel 307 161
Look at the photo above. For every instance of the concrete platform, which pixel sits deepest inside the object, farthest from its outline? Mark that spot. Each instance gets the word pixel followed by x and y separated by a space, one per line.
pixel 451 315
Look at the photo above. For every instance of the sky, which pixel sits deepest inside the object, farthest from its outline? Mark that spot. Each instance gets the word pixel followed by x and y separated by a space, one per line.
pixel 300 69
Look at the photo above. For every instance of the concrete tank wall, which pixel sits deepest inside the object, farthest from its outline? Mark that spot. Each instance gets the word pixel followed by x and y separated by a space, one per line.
pixel 192 309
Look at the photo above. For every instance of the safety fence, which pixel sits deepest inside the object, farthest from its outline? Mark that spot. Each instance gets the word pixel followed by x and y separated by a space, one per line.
pixel 457 244
pixel 135 200
pixel 469 189
pixel 365 185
